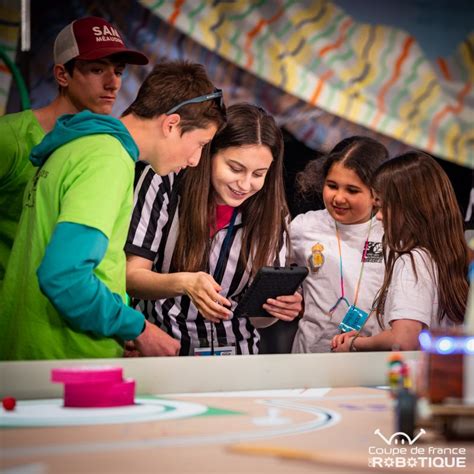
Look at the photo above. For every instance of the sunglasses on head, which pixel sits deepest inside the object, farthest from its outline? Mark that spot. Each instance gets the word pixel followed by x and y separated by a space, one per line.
pixel 216 95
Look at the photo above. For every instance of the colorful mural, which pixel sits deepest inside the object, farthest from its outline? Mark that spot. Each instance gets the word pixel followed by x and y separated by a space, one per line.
pixel 373 75
pixel 323 74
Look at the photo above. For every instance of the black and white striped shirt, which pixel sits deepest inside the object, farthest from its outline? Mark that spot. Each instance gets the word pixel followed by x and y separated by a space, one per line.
pixel 153 234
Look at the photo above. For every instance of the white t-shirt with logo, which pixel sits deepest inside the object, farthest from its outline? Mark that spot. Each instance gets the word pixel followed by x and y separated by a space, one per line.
pixel 322 288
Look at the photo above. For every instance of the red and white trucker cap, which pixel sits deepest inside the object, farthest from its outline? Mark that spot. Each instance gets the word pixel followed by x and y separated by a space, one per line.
pixel 92 38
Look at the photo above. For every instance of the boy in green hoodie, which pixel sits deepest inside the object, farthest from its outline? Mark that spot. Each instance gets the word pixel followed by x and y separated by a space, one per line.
pixel 88 71
pixel 64 289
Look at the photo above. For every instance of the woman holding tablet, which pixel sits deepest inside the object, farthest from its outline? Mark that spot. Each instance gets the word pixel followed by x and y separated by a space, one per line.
pixel 197 239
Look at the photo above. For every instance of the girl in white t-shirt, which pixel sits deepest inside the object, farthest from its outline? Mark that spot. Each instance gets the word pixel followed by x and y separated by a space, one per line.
pixel 425 284
pixel 341 244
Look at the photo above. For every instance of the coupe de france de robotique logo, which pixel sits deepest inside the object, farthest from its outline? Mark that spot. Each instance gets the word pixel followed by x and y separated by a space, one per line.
pixel 399 437
pixel 401 452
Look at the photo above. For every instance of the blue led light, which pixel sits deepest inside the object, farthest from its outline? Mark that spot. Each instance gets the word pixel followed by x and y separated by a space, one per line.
pixel 469 345
pixel 445 345
pixel 425 340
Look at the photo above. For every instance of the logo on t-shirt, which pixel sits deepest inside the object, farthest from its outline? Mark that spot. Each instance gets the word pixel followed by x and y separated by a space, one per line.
pixel 374 252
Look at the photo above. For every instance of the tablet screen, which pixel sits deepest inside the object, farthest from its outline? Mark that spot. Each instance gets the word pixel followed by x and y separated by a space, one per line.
pixel 269 282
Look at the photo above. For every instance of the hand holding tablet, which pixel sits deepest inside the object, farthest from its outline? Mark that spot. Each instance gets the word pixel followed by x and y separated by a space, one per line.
pixel 269 282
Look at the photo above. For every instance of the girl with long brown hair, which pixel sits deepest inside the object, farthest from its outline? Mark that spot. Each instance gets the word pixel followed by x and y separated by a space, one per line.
pixel 425 284
pixel 198 238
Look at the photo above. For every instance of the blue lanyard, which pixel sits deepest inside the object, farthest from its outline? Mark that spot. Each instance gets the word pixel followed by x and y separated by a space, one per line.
pixel 219 270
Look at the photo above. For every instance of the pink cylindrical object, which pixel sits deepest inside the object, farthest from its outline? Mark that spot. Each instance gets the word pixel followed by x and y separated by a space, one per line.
pixel 87 374
pixel 99 395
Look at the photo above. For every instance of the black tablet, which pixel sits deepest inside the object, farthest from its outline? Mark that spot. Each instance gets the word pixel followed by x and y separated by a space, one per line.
pixel 269 282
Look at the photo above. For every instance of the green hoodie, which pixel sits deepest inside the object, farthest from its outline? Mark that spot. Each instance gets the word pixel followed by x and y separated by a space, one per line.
pixel 73 228
pixel 72 126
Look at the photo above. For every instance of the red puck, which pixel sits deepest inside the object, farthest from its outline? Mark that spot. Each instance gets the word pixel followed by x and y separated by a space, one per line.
pixel 9 403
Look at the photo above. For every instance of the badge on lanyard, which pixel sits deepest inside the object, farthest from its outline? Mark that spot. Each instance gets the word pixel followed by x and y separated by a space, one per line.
pixel 354 319
pixel 316 259
pixel 217 346
pixel 217 351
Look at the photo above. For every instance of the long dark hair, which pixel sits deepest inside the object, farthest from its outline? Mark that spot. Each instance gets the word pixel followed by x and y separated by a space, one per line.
pixel 263 215
pixel 420 211
pixel 360 154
